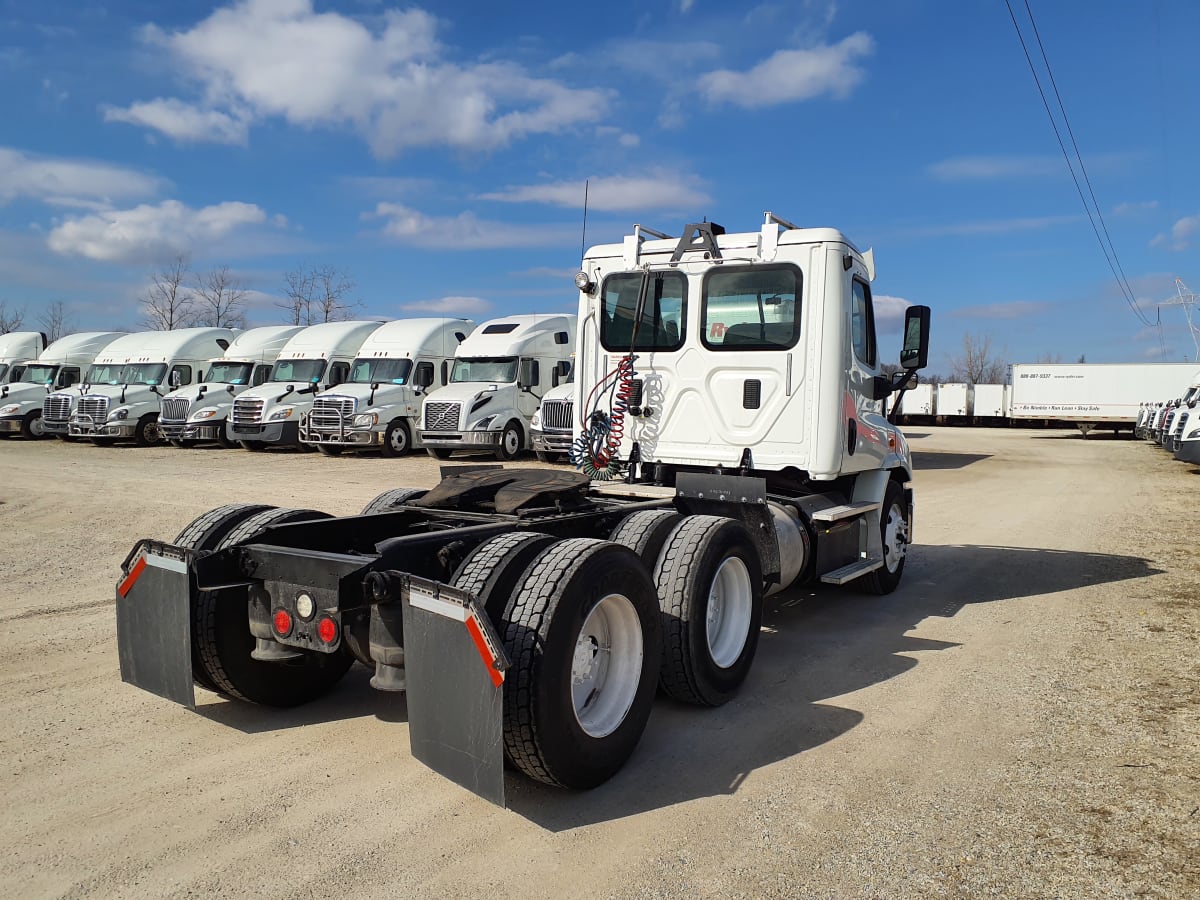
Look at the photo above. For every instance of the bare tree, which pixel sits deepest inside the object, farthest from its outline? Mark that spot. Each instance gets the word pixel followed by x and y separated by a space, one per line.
pixel 11 318
pixel 56 320
pixel 220 299
pixel 169 303
pixel 978 364
pixel 314 294
pixel 1049 358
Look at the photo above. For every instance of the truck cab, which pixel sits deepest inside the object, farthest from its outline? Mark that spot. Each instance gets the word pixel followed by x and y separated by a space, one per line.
pixel 552 428
pixel 378 407
pixel 1185 418
pixel 16 349
pixel 199 412
pixel 60 366
pixel 314 359
pixel 500 374
pixel 123 389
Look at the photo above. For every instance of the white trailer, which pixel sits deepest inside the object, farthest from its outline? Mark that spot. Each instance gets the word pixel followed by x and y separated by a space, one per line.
pixel 1093 394
pixel 122 391
pixel 500 373
pixel 988 401
pixel 61 365
pixel 199 412
pixel 17 347
pixel 379 406
pixel 917 401
pixel 953 399
pixel 315 359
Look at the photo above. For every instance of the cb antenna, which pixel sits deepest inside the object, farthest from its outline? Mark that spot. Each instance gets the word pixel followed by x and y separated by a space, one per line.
pixel 583 239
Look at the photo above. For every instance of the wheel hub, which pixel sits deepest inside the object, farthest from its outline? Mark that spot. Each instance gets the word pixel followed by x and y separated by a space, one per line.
pixel 895 538
pixel 730 606
pixel 606 666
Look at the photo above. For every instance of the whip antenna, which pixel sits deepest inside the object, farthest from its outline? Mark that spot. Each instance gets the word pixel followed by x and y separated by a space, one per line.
pixel 583 239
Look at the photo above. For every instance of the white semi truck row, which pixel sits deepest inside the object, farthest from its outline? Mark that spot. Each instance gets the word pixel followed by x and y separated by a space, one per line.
pixel 1174 423
pixel 732 438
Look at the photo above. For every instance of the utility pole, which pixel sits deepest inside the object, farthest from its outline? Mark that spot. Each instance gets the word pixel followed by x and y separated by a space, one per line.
pixel 1187 299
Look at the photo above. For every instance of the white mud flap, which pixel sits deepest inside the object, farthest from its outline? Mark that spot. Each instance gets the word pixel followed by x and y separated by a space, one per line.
pixel 454 668
pixel 154 622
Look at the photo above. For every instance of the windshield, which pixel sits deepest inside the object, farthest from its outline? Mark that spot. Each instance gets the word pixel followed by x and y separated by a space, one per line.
pixel 229 373
pixel 35 374
pixel 105 373
pixel 309 370
pixel 501 369
pixel 381 371
pixel 144 373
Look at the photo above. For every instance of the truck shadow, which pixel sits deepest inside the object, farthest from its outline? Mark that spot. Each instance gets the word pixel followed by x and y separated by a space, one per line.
pixel 924 460
pixel 817 643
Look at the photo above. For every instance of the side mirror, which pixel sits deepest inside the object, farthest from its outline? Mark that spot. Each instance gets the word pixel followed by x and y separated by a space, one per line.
pixel 527 377
pixel 174 380
pixel 905 379
pixel 423 377
pixel 881 387
pixel 915 352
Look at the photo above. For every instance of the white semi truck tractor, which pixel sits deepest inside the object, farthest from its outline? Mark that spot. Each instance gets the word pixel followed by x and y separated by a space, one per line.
pixel 732 440
pixel 379 406
pixel 122 395
pixel 315 359
pixel 16 349
pixel 60 366
pixel 499 375
pixel 199 412
pixel 552 428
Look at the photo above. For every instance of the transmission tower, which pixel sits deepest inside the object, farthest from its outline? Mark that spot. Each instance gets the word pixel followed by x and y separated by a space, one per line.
pixel 1187 299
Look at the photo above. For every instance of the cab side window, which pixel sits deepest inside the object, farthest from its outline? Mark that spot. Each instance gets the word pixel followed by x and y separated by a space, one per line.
pixel 862 324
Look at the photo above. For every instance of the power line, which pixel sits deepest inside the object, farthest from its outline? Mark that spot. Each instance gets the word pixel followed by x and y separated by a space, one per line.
pixel 1109 251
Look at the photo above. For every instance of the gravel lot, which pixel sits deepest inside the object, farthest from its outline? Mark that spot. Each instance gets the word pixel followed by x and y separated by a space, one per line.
pixel 1020 719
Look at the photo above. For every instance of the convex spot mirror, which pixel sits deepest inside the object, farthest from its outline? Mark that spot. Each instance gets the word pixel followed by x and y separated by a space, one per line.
pixel 915 352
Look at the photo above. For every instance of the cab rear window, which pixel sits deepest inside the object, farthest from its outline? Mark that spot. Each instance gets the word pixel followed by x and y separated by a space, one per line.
pixel 752 308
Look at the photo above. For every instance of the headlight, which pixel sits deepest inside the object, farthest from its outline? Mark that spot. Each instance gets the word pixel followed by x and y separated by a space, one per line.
pixel 1195 433
pixel 482 424
pixel 284 412
pixel 8 410
pixel 366 420
pixel 536 421
pixel 207 413
pixel 122 413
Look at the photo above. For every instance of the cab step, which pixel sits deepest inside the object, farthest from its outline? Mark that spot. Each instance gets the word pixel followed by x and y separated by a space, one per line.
pixel 852 571
pixel 849 510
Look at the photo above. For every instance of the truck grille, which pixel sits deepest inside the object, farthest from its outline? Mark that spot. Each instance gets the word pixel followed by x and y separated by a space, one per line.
pixel 558 415
pixel 175 409
pixel 56 408
pixel 442 416
pixel 247 411
pixel 330 413
pixel 96 407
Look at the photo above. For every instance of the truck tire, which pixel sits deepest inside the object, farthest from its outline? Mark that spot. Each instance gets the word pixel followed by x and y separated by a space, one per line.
pixel 326 449
pixel 221 636
pixel 439 452
pixel 710 590
pixel 397 440
pixel 645 533
pixel 31 426
pixel 494 568
pixel 390 499
pixel 204 533
pixel 572 713
pixel 147 433
pixel 893 526
pixel 511 439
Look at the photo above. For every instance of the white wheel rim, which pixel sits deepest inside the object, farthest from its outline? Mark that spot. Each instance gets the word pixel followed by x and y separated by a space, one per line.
pixel 398 441
pixel 895 538
pixel 37 427
pixel 607 666
pixel 511 441
pixel 727 621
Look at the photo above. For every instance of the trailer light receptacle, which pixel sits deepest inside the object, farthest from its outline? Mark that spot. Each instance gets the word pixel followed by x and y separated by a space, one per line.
pixel 282 622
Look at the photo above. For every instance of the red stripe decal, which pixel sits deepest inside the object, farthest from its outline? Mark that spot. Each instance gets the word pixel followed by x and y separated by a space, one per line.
pixel 485 654
pixel 127 582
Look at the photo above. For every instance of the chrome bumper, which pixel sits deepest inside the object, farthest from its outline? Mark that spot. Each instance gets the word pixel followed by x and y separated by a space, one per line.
pixel 550 441
pixel 184 431
pixel 460 439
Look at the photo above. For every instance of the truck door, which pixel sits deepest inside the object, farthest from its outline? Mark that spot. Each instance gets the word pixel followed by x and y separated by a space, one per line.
pixel 866 428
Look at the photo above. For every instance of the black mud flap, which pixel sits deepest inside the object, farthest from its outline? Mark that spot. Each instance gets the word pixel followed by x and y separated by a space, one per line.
pixel 154 631
pixel 454 668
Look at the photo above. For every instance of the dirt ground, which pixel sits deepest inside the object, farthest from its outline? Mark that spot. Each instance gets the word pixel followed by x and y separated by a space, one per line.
pixel 1020 719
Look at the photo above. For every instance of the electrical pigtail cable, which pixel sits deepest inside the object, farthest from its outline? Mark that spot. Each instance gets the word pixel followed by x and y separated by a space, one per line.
pixel 595 451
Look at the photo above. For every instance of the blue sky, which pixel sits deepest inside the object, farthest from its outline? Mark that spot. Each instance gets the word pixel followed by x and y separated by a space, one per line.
pixel 437 153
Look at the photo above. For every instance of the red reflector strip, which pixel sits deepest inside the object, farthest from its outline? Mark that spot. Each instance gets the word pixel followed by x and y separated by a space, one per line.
pixel 485 653
pixel 126 584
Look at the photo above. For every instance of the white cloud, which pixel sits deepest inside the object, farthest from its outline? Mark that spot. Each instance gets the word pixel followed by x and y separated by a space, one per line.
pixel 889 312
pixel 148 233
pixel 390 83
pixel 70 182
pixel 184 122
pixel 992 226
pixel 968 168
pixel 792 75
pixel 685 6
pixel 466 231
pixel 1179 238
pixel 1014 309
pixel 659 189
pixel 450 306
pixel 1133 208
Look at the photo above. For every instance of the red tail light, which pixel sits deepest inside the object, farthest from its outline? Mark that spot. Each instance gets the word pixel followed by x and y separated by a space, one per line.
pixel 327 630
pixel 282 622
